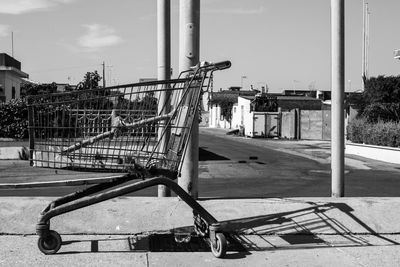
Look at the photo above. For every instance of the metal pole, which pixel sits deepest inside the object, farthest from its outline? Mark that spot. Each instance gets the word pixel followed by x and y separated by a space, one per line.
pixel 189 44
pixel 367 43
pixel 363 47
pixel 338 83
pixel 104 75
pixel 163 68
pixel 12 44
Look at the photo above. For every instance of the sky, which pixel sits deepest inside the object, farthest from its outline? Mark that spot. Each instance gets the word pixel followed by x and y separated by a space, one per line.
pixel 282 43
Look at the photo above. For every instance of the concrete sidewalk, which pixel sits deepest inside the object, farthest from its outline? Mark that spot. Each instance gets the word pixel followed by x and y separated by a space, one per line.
pixel 136 231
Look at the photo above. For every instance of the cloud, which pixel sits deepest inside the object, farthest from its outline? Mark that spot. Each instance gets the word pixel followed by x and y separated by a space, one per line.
pixel 4 30
pixel 97 37
pixel 16 7
pixel 235 11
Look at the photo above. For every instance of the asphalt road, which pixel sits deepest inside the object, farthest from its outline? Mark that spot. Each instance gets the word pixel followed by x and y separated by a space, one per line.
pixel 255 170
pixel 231 168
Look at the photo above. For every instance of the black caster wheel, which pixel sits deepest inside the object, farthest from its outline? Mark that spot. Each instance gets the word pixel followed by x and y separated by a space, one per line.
pixel 51 244
pixel 219 250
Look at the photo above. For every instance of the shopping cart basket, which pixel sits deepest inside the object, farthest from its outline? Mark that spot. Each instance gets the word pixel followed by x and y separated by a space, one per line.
pixel 139 129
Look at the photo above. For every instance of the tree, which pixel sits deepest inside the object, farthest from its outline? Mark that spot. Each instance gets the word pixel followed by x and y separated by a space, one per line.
pixel 382 89
pixel 90 81
pixel 380 99
pixel 38 89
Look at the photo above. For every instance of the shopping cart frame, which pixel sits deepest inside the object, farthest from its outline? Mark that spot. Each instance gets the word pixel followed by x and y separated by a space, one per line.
pixel 206 225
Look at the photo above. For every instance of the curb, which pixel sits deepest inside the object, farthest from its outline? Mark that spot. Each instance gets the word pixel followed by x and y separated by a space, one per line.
pixel 13 153
pixel 381 153
pixel 271 216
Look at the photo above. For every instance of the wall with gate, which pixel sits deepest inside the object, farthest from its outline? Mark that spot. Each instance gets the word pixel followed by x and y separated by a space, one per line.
pixel 315 124
pixel 262 124
pixel 289 124
pixel 306 124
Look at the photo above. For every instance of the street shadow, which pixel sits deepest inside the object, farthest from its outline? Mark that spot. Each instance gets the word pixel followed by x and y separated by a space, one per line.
pixel 298 229
pixel 306 228
pixel 206 155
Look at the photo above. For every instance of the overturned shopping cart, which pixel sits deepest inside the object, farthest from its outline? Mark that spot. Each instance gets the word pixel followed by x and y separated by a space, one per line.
pixel 140 129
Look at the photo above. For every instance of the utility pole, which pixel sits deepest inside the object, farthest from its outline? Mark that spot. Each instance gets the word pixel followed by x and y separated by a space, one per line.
pixel 365 42
pixel 104 75
pixel 12 44
pixel 338 83
pixel 164 71
pixel 189 44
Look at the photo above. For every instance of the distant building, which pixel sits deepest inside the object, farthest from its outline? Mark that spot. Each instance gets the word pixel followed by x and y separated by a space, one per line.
pixel 64 87
pixel 11 78
pixel 225 97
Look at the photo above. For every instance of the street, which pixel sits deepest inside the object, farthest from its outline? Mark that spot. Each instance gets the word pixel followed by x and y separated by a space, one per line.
pixel 237 167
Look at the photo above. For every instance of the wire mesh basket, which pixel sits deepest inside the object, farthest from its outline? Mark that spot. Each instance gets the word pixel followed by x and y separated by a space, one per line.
pixel 120 128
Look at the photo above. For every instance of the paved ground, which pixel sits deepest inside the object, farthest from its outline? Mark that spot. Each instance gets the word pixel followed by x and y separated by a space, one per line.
pixel 140 231
pixel 268 232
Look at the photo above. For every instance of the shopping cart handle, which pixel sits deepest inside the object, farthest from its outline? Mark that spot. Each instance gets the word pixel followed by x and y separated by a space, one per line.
pixel 221 65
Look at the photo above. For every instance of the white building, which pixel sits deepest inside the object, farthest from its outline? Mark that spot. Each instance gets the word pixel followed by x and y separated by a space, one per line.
pixel 10 78
pixel 219 100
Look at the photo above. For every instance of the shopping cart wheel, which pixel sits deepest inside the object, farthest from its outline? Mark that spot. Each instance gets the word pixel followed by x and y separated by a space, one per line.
pixel 51 243
pixel 219 250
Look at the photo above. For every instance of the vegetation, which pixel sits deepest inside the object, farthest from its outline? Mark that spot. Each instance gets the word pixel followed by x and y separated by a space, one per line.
pixel 14 119
pixel 378 120
pixel 380 99
pixel 226 105
pixel 14 114
pixel 90 81
pixel 37 89
pixel 380 133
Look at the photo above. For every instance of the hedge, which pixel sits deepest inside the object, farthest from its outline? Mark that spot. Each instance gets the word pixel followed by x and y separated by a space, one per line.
pixel 380 133
pixel 386 112
pixel 14 119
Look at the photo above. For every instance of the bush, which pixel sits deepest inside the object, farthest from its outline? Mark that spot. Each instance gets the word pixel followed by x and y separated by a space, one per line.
pixel 14 119
pixel 380 133
pixel 382 112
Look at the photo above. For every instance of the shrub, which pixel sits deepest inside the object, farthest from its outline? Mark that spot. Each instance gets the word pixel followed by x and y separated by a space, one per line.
pixel 14 119
pixel 355 130
pixel 382 112
pixel 380 133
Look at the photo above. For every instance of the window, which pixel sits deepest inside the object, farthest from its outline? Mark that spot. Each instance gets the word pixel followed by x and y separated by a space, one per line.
pixel 13 92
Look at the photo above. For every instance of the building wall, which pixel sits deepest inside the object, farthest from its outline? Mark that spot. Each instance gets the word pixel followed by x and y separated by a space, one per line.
pixel 315 124
pixel 243 110
pixel 235 116
pixel 287 105
pixel 9 81
pixel 215 119
pixel 288 124
pixel 311 123
pixel 2 87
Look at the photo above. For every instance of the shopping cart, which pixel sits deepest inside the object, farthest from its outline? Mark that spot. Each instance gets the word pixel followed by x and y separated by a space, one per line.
pixel 139 129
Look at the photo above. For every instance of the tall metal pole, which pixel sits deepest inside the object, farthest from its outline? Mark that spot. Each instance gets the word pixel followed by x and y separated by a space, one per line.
pixel 363 47
pixel 338 83
pixel 12 44
pixel 189 47
pixel 367 42
pixel 104 74
pixel 163 68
